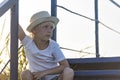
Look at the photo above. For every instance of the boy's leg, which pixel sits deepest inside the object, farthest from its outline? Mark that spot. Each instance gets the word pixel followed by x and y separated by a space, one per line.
pixel 68 74
pixel 26 75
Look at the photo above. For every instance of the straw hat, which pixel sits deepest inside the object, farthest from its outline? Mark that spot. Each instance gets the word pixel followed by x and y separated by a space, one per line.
pixel 41 17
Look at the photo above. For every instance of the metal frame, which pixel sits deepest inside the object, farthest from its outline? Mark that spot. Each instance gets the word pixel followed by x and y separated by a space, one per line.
pixel 54 13
pixel 96 29
pixel 13 5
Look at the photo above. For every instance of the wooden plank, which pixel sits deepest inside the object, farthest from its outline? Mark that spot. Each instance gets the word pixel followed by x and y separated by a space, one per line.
pixel 98 73
pixel 94 60
pixel 95 63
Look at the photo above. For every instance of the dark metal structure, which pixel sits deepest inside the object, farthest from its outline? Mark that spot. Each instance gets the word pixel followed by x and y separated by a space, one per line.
pixel 96 29
pixel 93 68
pixel 14 42
pixel 54 13
pixel 13 6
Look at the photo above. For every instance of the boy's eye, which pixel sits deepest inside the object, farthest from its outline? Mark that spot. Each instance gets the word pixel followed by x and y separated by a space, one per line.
pixel 51 27
pixel 46 26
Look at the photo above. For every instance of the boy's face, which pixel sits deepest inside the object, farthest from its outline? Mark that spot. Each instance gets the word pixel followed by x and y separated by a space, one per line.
pixel 44 30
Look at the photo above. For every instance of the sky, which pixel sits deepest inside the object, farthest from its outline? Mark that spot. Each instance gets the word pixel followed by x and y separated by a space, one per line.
pixel 76 32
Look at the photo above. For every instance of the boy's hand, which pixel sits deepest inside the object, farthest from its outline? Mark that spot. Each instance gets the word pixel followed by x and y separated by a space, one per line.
pixel 38 75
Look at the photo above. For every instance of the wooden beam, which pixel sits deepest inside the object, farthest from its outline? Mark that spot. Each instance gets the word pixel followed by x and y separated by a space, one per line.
pixel 98 73
pixel 95 63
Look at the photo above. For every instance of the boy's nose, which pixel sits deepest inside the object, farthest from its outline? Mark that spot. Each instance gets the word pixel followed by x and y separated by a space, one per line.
pixel 50 29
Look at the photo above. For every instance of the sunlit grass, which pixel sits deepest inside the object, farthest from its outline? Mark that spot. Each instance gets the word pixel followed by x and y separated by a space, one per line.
pixel 5 57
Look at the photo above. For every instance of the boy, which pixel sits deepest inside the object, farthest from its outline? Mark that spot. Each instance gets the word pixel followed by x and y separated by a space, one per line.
pixel 46 60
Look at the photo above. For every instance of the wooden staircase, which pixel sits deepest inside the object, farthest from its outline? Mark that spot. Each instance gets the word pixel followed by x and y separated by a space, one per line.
pixel 96 68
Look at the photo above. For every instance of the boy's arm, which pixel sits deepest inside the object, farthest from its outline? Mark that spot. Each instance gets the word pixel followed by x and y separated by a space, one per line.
pixel 21 33
pixel 56 70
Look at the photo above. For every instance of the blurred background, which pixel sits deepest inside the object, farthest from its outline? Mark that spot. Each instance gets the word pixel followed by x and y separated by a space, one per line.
pixel 75 31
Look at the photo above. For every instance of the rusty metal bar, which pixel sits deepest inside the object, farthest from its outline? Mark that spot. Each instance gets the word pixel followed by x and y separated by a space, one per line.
pixel 14 42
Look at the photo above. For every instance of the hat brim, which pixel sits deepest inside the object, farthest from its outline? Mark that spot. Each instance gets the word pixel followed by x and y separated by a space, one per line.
pixel 41 20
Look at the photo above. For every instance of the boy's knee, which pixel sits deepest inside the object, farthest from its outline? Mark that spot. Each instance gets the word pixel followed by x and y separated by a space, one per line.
pixel 26 72
pixel 68 74
pixel 68 71
pixel 26 75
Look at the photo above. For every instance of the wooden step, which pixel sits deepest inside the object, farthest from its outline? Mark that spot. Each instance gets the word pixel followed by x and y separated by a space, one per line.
pixel 97 73
pixel 95 63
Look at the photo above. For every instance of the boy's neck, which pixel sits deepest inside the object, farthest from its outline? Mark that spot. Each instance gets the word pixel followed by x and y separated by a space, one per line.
pixel 41 44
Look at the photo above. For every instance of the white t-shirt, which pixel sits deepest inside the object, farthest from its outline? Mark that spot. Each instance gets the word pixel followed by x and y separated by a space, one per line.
pixel 40 60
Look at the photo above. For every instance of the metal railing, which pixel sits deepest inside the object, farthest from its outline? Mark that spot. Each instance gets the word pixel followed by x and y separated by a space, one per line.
pixel 13 6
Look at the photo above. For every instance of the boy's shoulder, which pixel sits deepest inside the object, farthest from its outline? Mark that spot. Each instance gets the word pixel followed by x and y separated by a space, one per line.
pixel 53 42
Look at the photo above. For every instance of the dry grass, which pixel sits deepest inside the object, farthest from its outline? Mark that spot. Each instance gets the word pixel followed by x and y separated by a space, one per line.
pixel 22 63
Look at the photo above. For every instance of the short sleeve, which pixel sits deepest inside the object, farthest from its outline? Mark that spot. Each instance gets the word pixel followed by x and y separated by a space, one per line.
pixel 26 40
pixel 58 54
